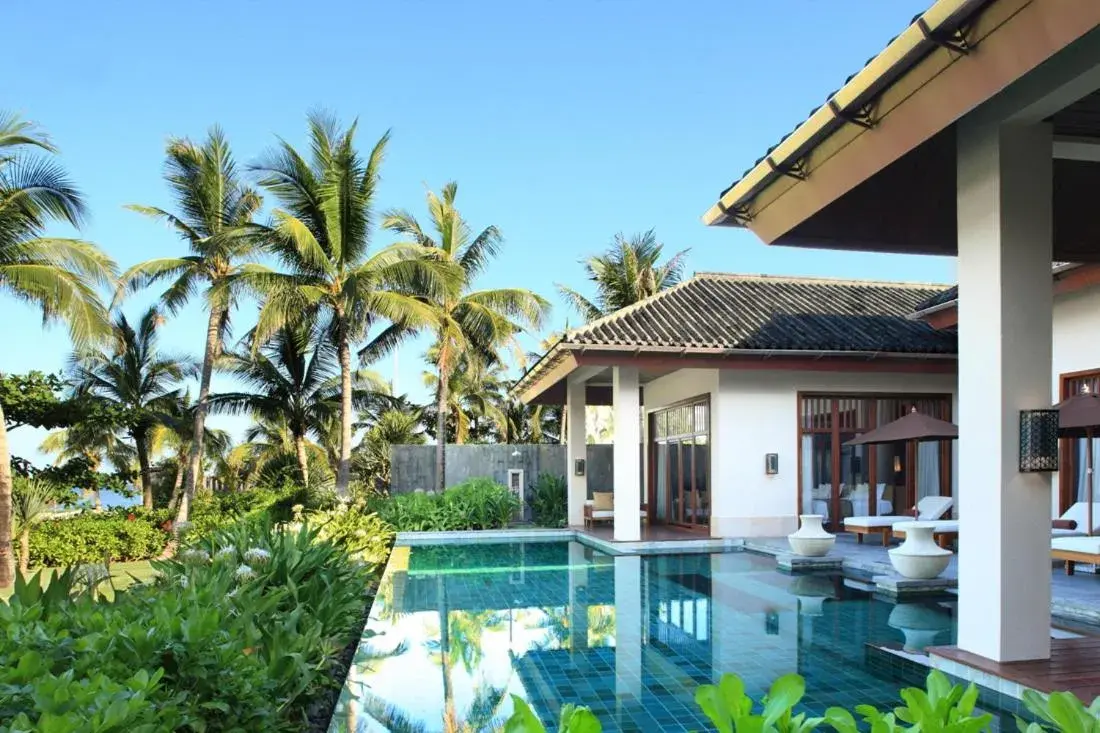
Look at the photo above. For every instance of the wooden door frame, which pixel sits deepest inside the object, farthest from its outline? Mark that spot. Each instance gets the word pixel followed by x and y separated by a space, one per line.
pixel 1066 473
pixel 651 446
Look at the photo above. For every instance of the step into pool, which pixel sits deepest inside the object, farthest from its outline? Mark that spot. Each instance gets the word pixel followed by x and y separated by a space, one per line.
pixel 456 629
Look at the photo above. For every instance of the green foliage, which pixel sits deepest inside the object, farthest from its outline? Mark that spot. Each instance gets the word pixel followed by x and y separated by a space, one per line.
pixel 573 719
pixel 1059 711
pixel 239 633
pixel 940 707
pixel 478 503
pixel 212 512
pixel 548 500
pixel 116 535
pixel 730 709
pixel 360 532
pixel 31 399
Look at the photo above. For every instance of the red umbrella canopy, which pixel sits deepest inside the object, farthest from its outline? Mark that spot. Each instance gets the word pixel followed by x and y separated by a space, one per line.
pixel 1078 414
pixel 914 426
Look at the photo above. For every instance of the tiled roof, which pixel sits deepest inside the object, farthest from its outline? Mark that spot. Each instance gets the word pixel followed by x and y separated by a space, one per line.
pixel 952 293
pixel 758 312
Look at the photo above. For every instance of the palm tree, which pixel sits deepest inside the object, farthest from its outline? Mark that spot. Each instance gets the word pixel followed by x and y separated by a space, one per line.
pixel 293 379
pixel 58 276
pixel 176 435
pixel 322 235
pixel 270 450
pixel 97 442
pixel 134 376
pixel 32 499
pixel 476 395
pixel 629 271
pixel 474 323
pixel 371 459
pixel 213 208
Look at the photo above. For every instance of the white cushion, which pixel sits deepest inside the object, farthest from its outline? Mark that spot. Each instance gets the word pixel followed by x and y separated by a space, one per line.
pixel 933 507
pixel 1079 513
pixel 603 514
pixel 939 525
pixel 883 521
pixel 1055 532
pixel 1088 545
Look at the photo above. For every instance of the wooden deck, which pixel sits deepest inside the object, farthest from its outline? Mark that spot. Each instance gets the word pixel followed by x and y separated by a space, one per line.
pixel 1074 666
pixel 654 533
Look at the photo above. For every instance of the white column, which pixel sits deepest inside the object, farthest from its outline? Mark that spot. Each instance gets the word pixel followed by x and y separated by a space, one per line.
pixel 627 454
pixel 1005 312
pixel 578 598
pixel 628 628
pixel 576 448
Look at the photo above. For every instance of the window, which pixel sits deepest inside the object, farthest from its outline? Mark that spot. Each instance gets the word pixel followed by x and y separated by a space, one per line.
pixel 838 480
pixel 680 464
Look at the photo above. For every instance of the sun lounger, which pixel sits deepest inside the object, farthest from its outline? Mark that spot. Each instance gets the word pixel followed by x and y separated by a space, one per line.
pixel 944 531
pixel 1072 550
pixel 929 508
pixel 1079 513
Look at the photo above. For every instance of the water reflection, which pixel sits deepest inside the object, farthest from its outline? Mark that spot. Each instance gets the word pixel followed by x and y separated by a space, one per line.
pixel 456 630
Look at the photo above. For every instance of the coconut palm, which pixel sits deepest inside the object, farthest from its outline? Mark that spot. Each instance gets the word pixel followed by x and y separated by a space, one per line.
pixel 176 436
pixel 322 235
pixel 132 374
pixel 57 276
pixel 371 459
pixel 474 324
pixel 270 451
pixel 97 442
pixel 629 271
pixel 213 207
pixel 293 379
pixel 476 395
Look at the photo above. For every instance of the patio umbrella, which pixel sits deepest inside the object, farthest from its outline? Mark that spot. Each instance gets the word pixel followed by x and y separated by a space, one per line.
pixel 1079 417
pixel 916 427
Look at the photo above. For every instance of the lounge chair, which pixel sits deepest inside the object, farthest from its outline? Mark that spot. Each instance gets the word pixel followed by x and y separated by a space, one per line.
pixel 601 508
pixel 929 508
pixel 1072 550
pixel 1078 514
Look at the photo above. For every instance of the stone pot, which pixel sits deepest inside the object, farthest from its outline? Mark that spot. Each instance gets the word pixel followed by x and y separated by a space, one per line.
pixel 919 557
pixel 811 539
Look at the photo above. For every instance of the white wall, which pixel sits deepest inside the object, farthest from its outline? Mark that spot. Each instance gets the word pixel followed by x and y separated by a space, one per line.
pixel 755 412
pixel 1076 347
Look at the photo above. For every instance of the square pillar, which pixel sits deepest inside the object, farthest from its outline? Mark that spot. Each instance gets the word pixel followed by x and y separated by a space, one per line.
pixel 627 454
pixel 576 448
pixel 1005 313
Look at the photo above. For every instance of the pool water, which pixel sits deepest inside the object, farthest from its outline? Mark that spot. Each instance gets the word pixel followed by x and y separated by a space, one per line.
pixel 456 629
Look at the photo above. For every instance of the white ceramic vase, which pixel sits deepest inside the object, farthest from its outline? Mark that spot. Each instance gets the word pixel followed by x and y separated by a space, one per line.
pixel 919 557
pixel 811 539
pixel 920 625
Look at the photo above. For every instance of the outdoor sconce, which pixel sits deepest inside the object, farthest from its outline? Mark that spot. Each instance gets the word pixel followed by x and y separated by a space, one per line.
pixel 1038 440
pixel 578 467
pixel 771 463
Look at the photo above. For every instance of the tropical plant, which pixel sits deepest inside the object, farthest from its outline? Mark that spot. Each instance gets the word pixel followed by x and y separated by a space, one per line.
pixel 941 706
pixel 133 376
pixel 271 448
pixel 477 503
pixel 628 272
pixel 213 209
pixel 471 324
pixel 176 435
pixel 118 535
pixel 476 396
pixel 57 276
pixel 371 460
pixel 97 442
pixel 573 719
pixel 321 234
pixel 548 500
pixel 292 380
pixel 1059 711
pixel 30 501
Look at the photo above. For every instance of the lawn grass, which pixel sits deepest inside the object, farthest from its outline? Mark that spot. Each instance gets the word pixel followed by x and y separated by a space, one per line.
pixel 123 574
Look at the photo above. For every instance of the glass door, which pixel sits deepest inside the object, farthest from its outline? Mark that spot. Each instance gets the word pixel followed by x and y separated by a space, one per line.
pixel 680 470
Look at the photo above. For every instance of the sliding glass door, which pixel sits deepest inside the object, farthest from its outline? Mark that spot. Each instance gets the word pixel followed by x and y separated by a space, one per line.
pixel 680 464
pixel 838 480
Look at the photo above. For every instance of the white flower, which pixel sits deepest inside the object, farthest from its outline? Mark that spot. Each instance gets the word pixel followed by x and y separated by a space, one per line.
pixel 244 572
pixel 257 555
pixel 195 555
pixel 184 581
pixel 232 593
pixel 229 551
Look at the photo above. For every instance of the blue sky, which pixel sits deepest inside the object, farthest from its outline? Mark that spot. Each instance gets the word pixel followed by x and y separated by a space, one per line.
pixel 564 122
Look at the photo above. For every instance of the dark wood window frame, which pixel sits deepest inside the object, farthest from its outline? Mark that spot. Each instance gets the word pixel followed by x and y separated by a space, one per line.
pixel 834 430
pixel 1066 471
pixel 651 446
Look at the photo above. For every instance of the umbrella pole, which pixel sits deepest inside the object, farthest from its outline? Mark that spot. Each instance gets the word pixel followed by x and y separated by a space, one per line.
pixel 1088 474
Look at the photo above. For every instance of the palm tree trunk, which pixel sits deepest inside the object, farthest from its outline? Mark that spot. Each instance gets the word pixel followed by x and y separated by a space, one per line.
pixel 177 487
pixel 303 459
pixel 145 473
pixel 7 567
pixel 25 550
pixel 441 424
pixel 343 472
pixel 194 469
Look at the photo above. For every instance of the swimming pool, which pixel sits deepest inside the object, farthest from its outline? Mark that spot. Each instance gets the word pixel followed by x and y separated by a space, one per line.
pixel 456 628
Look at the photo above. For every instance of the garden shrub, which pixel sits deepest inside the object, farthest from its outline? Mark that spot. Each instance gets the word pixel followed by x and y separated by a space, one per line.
pixel 478 503
pixel 241 632
pixel 360 532
pixel 549 500
pixel 95 537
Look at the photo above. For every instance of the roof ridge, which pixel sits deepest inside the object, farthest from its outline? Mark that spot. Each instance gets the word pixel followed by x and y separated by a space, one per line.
pixel 814 279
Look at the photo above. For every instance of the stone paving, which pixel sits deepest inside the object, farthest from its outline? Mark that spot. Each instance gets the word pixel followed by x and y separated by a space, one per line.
pixel 1076 597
